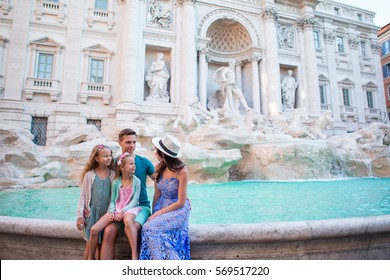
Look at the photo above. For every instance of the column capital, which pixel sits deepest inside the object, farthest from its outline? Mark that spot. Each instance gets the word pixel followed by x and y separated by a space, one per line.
pixel 329 37
pixel 307 22
pixel 186 1
pixel 255 57
pixel 269 13
pixel 202 50
pixel 353 42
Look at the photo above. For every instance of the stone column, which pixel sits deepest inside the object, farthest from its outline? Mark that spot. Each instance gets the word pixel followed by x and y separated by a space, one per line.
pixel 358 89
pixel 129 95
pixel 188 57
pixel 11 106
pixel 329 39
pixel 313 96
pixel 272 63
pixel 238 74
pixel 376 59
pixel 203 76
pixel 255 58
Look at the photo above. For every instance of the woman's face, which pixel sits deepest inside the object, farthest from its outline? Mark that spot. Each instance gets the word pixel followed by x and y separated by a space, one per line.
pixel 159 155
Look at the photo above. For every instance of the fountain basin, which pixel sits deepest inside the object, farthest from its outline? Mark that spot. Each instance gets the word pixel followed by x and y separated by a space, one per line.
pixel 335 239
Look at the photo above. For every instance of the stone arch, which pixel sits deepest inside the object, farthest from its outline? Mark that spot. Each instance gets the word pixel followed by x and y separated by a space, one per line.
pixel 228 14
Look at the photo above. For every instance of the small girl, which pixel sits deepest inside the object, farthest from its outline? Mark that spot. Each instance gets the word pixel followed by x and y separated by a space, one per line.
pixel 97 177
pixel 123 206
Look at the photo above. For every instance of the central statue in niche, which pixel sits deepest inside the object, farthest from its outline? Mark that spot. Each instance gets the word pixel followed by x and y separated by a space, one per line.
pixel 230 95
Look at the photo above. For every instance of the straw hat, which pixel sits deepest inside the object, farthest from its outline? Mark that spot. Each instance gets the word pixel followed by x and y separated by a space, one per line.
pixel 169 145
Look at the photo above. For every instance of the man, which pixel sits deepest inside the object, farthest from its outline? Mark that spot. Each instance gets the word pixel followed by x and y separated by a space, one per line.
pixel 127 139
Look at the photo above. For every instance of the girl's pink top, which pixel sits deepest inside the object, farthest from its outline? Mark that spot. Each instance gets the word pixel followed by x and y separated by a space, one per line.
pixel 123 199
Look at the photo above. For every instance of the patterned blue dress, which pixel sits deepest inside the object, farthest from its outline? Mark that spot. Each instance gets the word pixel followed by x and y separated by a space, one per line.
pixel 166 236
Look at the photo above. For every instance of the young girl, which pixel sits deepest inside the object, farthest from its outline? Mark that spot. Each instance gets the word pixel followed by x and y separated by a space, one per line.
pixel 95 191
pixel 165 234
pixel 123 206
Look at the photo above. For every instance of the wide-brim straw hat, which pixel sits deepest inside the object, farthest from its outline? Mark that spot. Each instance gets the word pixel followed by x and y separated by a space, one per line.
pixel 168 145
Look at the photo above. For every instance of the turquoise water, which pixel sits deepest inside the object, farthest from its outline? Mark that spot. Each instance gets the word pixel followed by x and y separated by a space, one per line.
pixel 234 202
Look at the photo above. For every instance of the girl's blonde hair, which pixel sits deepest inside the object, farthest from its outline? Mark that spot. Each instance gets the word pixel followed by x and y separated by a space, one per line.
pixel 92 163
pixel 121 162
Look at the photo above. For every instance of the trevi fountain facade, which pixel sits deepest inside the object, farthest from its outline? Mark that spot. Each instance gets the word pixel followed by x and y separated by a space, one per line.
pixel 250 87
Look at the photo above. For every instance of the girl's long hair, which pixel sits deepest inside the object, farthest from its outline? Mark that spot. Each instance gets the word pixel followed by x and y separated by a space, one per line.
pixel 121 162
pixel 92 163
pixel 173 164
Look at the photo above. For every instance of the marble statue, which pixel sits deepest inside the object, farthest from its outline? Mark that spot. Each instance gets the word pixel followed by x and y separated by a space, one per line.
pixel 321 125
pixel 157 79
pixel 233 96
pixel 189 120
pixel 289 86
pixel 159 15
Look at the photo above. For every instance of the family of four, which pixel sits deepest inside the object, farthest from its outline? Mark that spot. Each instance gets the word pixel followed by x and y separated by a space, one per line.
pixel 113 201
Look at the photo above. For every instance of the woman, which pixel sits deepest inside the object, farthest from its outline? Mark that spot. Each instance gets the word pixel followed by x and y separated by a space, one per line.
pixel 165 234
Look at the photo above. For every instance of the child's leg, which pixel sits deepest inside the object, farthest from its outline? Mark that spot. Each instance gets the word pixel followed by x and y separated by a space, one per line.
pixel 131 233
pixel 94 235
pixel 86 252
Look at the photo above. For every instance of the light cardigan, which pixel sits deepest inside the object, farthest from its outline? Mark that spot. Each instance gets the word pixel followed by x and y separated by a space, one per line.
pixel 85 193
pixel 134 200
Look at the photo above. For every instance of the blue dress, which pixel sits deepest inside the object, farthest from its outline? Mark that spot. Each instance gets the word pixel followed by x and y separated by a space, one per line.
pixel 166 236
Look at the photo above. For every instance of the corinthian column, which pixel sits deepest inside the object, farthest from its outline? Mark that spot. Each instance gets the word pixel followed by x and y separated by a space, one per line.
pixel 130 96
pixel 203 76
pixel 255 82
pixel 188 56
pixel 306 24
pixel 272 64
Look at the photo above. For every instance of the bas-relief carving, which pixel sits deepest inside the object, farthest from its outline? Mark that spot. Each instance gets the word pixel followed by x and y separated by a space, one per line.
pixel 286 36
pixel 159 15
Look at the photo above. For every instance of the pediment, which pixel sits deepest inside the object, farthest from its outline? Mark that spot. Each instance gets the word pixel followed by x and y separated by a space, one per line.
pixel 370 85
pixel 97 48
pixel 322 78
pixel 46 41
pixel 346 82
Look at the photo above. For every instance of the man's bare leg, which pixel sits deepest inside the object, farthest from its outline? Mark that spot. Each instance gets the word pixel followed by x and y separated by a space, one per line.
pixel 110 236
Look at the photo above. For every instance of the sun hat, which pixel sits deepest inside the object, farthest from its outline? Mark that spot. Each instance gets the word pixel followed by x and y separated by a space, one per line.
pixel 169 145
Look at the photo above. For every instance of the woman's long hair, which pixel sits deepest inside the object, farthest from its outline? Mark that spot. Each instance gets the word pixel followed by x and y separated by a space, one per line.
pixel 92 163
pixel 173 164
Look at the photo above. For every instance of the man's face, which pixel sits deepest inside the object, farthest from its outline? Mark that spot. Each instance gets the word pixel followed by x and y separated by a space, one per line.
pixel 128 143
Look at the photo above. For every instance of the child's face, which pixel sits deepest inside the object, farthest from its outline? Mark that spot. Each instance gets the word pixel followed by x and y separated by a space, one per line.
pixel 129 166
pixel 104 157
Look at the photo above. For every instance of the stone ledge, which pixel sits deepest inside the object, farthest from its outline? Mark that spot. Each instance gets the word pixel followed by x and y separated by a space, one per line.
pixel 351 238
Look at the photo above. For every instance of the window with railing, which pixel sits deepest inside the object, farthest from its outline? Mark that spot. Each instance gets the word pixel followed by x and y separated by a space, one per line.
pixel 43 72
pixel 39 130
pixel 50 8
pixel 101 5
pixel 97 123
pixel 101 12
